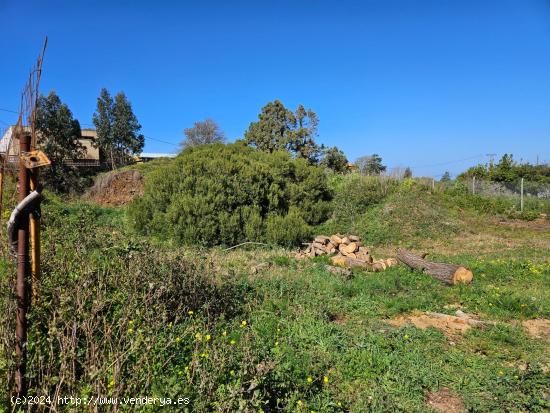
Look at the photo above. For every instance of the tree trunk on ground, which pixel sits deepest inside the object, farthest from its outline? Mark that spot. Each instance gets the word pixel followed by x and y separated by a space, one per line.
pixel 448 273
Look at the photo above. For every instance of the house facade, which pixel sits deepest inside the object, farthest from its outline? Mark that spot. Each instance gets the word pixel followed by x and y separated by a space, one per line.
pixel 91 157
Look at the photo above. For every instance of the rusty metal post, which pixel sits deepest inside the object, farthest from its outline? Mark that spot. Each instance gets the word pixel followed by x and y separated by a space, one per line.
pixel 22 278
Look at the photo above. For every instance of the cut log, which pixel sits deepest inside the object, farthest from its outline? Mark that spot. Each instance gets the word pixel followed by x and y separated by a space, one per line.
pixel 318 245
pixel 345 240
pixel 321 239
pixel 352 247
pixel 378 265
pixel 336 240
pixel 354 238
pixel 390 262
pixel 449 273
pixel 339 260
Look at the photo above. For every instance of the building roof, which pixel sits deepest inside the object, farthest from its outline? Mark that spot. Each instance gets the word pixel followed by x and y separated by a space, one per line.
pixel 157 155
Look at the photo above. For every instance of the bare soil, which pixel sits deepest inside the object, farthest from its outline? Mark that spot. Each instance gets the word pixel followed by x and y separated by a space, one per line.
pixel 116 188
pixel 450 325
pixel 445 401
pixel 538 328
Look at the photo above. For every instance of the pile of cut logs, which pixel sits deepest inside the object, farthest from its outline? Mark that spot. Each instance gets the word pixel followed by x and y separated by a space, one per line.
pixel 347 251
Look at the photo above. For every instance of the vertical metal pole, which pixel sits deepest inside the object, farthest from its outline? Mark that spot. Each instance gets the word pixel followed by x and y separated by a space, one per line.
pixel 22 279
pixel 521 199
pixel 35 240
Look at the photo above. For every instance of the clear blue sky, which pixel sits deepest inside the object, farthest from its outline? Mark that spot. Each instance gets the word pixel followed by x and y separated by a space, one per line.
pixel 421 83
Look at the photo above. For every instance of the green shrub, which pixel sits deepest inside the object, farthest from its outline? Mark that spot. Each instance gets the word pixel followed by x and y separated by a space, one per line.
pixel 288 230
pixel 226 194
pixel 354 195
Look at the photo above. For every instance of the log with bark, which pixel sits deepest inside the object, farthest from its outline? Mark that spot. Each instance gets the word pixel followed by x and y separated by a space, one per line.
pixel 448 273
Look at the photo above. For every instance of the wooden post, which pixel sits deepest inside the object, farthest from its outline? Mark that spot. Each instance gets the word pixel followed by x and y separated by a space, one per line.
pixel 35 240
pixel 521 199
pixel 474 185
pixel 22 278
pixel 433 185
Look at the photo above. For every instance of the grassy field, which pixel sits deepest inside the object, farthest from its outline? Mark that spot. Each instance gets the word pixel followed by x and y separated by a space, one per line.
pixel 121 315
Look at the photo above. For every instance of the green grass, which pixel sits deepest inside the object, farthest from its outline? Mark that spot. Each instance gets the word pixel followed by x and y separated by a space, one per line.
pixel 170 321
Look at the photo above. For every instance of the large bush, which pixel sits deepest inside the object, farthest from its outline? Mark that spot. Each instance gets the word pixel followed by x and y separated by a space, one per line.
pixel 226 194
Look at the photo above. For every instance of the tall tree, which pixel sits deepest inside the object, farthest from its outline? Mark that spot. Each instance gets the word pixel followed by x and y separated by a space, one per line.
pixel 370 165
pixel 103 120
pixel 335 159
pixel 408 173
pixel 278 128
pixel 117 129
pixel 128 140
pixel 202 132
pixel 302 136
pixel 271 132
pixel 59 135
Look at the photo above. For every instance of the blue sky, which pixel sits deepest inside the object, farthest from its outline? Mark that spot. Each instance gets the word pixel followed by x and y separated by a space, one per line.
pixel 431 84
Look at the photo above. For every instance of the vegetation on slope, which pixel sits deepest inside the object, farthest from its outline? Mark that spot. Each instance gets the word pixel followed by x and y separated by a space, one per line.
pixel 120 316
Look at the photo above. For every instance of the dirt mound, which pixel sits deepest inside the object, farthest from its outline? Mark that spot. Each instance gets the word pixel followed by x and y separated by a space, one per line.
pixel 116 188
pixel 445 401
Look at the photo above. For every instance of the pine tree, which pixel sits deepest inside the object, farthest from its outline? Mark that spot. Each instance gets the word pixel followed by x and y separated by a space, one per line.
pixel 278 128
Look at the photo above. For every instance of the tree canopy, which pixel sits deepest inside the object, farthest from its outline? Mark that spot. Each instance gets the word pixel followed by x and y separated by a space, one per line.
pixel 508 170
pixel 58 138
pixel 335 159
pixel 370 165
pixel 117 129
pixel 227 194
pixel 202 132
pixel 278 128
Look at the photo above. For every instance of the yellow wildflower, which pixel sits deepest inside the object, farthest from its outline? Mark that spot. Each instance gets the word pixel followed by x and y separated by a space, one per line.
pixel 243 324
pixel 325 379
pixel 309 379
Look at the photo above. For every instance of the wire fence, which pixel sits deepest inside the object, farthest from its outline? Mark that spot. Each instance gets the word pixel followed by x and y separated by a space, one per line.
pixel 520 189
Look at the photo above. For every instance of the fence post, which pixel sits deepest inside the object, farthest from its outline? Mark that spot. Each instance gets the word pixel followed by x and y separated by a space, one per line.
pixel 474 185
pixel 521 198
pixel 22 277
